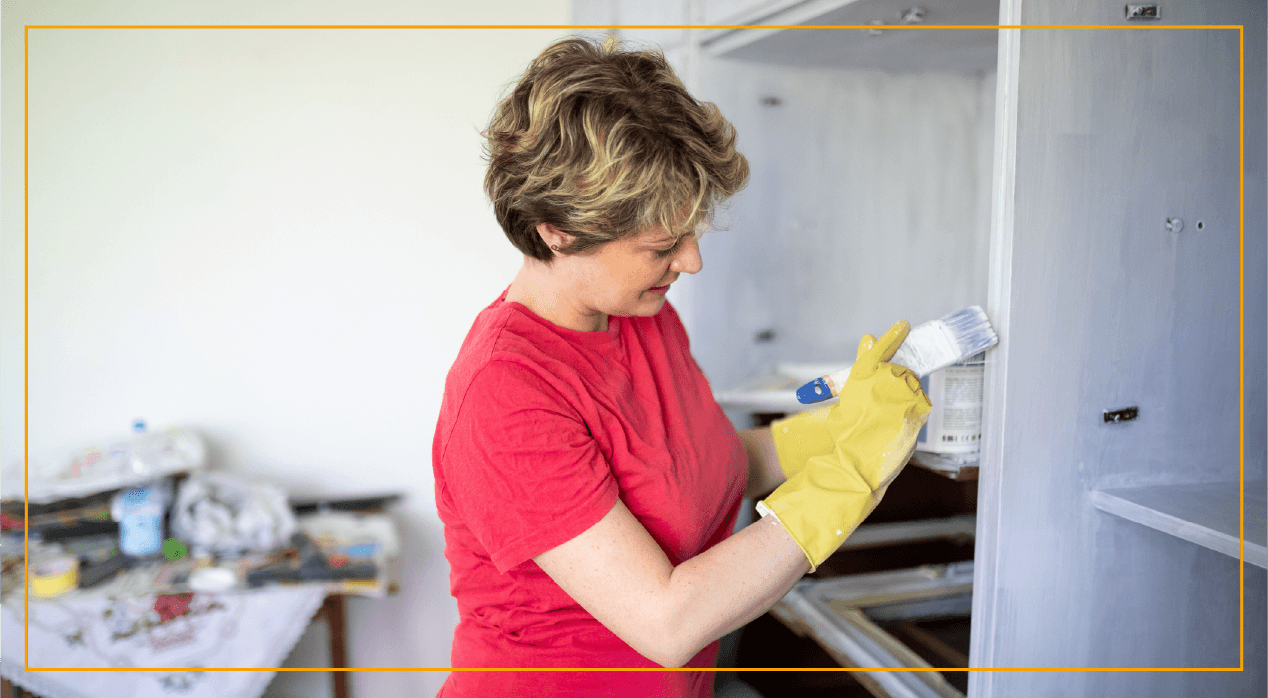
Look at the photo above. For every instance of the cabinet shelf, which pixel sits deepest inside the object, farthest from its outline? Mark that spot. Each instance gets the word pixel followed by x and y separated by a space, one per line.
pixel 1203 514
pixel 895 50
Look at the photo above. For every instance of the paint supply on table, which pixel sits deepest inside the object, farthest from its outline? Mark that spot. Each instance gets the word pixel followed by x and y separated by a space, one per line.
pixel 225 514
pixel 93 573
pixel 140 512
pixel 144 457
pixel 212 580
pixel 932 346
pixel 310 564
pixel 54 576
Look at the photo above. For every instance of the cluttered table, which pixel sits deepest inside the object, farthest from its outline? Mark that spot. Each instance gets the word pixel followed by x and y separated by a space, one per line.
pixel 168 583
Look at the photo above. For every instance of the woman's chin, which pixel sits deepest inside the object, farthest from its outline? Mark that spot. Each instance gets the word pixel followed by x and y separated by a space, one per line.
pixel 644 307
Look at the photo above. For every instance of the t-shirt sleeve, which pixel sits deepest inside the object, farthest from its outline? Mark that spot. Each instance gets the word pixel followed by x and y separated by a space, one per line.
pixel 521 467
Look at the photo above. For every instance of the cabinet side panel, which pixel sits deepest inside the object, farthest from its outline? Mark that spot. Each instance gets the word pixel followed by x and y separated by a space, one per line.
pixel 1117 132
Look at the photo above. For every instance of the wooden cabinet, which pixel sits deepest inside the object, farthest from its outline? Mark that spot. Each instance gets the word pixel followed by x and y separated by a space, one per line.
pixel 1108 139
pixel 1082 185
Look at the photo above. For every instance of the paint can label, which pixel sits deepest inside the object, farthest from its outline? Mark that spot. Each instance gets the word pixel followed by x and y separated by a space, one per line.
pixel 955 416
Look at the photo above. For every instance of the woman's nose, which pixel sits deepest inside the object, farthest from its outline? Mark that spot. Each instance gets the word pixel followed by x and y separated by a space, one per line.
pixel 688 260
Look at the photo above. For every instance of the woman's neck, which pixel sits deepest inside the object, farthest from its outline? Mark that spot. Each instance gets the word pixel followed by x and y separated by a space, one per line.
pixel 546 290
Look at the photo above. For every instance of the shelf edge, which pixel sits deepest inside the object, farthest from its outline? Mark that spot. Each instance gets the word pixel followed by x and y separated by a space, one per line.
pixel 1170 524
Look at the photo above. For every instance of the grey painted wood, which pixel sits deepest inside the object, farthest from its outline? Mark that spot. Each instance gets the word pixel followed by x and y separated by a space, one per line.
pixel 1096 306
pixel 869 535
pixel 1115 131
pixel 655 12
pixel 959 606
pixel 1209 515
pixel 867 204
pixel 988 620
pixel 742 11
pixel 871 588
pixel 857 641
pixel 892 50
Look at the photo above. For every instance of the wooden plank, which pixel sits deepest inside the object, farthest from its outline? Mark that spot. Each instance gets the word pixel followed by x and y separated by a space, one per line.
pixel 988 619
pixel 950 655
pixel 332 610
pixel 929 581
pixel 853 640
pixel 786 614
pixel 872 535
pixel 831 612
pixel 959 605
pixel 888 597
pixel 1204 514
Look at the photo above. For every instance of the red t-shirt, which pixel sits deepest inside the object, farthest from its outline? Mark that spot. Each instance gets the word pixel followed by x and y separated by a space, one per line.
pixel 541 429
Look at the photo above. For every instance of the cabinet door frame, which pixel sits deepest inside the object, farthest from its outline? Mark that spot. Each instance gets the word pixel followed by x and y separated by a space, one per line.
pixel 998 307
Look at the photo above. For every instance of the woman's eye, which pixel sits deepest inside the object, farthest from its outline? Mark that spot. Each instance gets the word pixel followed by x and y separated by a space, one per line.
pixel 661 254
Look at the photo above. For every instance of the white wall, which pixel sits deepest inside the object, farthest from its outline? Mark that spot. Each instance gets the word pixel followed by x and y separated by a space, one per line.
pixel 277 237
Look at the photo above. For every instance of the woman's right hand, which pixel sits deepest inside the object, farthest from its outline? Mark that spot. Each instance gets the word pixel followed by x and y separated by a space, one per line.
pixel 872 433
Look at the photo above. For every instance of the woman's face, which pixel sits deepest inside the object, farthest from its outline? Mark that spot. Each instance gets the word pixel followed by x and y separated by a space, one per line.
pixel 629 276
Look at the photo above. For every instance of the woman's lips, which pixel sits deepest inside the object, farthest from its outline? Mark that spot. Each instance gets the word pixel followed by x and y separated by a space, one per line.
pixel 659 290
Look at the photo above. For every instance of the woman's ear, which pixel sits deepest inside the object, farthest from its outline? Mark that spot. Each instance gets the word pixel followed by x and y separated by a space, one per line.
pixel 554 239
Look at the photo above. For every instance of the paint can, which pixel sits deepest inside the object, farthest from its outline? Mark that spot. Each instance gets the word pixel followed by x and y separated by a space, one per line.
pixel 54 576
pixel 954 428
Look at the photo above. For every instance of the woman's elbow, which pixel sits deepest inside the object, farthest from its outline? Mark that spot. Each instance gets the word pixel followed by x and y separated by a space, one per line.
pixel 669 656
pixel 671 647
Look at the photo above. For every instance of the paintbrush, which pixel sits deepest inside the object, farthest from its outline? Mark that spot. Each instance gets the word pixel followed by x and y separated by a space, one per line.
pixel 929 347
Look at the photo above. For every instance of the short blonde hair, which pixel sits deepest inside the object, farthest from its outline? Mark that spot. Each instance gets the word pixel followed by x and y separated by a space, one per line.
pixel 601 142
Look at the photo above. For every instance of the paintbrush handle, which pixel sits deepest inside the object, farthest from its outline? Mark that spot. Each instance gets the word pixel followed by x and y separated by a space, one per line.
pixel 823 388
pixel 829 385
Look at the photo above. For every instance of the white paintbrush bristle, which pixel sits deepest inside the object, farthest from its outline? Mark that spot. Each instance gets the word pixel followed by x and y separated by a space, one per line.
pixel 928 348
pixel 945 341
pixel 973 332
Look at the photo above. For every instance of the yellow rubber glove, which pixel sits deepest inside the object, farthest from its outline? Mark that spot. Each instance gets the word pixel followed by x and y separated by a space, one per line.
pixel 873 429
pixel 802 437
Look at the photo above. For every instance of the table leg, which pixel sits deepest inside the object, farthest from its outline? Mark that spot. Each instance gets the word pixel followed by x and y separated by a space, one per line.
pixel 11 690
pixel 333 610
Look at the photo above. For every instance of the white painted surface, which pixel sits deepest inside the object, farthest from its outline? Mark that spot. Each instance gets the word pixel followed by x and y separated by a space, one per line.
pixel 1210 515
pixel 1104 308
pixel 987 619
pixel 671 13
pixel 276 237
pixel 867 204
pixel 892 46
pixel 742 11
pixel 1095 306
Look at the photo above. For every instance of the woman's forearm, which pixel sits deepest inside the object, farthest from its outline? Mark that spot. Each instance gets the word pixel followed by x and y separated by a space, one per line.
pixel 733 583
pixel 618 573
pixel 764 472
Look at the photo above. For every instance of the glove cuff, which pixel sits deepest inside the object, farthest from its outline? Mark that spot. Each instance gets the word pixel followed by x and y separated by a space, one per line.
pixel 821 507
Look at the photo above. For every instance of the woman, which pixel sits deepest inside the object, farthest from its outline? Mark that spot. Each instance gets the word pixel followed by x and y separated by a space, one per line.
pixel 586 478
